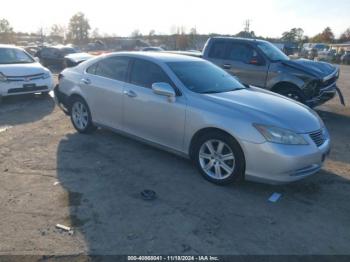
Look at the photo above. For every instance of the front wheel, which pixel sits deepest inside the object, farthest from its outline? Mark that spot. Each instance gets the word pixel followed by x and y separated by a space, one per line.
pixel 219 158
pixel 81 116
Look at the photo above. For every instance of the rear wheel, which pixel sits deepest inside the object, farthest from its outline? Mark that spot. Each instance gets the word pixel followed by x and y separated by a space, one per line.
pixel 219 158
pixel 81 116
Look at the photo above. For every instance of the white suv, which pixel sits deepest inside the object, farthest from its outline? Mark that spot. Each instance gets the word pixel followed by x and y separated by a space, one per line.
pixel 21 74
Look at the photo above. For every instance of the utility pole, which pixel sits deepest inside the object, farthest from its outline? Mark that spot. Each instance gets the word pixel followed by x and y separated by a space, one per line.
pixel 247 26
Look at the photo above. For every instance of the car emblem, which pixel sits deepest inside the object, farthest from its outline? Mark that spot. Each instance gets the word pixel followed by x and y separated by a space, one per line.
pixel 26 79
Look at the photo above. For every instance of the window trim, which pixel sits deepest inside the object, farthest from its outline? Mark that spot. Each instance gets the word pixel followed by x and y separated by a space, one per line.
pixel 131 66
pixel 97 63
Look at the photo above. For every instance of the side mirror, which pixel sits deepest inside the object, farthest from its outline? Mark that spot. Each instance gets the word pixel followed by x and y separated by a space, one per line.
pixel 164 89
pixel 37 59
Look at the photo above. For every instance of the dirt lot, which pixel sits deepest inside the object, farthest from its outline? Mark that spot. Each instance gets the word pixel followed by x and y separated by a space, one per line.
pixel 101 175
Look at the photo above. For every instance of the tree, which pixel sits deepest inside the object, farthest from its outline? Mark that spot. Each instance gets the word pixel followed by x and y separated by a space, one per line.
pixel 57 30
pixel 95 33
pixel 136 34
pixel 6 32
pixel 78 29
pixel 181 39
pixel 345 36
pixel 326 36
pixel 193 38
pixel 294 35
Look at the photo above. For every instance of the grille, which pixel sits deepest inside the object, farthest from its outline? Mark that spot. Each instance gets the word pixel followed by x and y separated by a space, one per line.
pixel 330 81
pixel 24 78
pixel 318 137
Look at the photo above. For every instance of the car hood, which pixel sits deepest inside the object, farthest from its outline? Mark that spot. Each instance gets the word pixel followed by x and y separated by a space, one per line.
pixel 22 69
pixel 316 69
pixel 264 107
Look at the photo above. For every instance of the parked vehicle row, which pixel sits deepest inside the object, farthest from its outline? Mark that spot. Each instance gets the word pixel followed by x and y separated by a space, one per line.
pixel 194 108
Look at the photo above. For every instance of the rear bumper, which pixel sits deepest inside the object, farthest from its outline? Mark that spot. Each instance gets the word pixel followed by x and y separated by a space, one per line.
pixel 62 100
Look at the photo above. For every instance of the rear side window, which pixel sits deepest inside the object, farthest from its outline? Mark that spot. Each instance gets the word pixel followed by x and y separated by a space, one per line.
pixel 92 69
pixel 241 53
pixel 114 68
pixel 145 73
pixel 218 50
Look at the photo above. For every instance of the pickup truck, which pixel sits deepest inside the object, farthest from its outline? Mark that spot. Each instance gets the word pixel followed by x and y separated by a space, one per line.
pixel 260 63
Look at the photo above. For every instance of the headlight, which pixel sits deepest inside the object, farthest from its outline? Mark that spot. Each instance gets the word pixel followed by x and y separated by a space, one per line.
pixel 3 78
pixel 46 75
pixel 280 135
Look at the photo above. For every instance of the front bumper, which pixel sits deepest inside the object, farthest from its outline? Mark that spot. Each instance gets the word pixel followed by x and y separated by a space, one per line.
pixel 325 94
pixel 9 88
pixel 277 163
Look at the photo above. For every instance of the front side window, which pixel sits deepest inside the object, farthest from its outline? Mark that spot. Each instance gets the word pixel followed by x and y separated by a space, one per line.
pixel 204 77
pixel 145 73
pixel 112 67
pixel 272 52
pixel 14 56
pixel 241 53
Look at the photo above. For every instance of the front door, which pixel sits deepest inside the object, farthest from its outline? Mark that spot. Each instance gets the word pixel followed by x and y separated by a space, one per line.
pixel 243 60
pixel 151 116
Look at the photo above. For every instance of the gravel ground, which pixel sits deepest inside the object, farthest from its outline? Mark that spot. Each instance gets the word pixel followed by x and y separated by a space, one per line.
pixel 49 174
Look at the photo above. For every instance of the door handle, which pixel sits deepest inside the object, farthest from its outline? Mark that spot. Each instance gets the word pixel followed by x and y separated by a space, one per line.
pixel 86 81
pixel 130 93
pixel 226 66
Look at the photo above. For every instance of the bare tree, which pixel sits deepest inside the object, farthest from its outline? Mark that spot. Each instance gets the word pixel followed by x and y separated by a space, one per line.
pixel 6 32
pixel 136 34
pixel 78 29
pixel 345 36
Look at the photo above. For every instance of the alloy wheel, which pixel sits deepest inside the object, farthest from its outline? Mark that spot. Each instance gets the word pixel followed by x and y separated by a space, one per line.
pixel 80 115
pixel 216 159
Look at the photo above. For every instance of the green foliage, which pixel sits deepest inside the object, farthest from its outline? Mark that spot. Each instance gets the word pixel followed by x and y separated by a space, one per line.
pixel 326 36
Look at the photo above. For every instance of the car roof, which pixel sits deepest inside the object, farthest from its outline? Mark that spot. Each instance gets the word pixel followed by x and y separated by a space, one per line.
pixel 251 40
pixel 157 56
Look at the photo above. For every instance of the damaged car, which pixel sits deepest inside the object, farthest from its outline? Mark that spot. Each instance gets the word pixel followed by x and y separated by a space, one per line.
pixel 260 63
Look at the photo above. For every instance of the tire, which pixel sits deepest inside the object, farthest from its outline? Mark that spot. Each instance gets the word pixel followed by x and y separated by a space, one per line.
pixel 80 115
pixel 210 161
pixel 292 93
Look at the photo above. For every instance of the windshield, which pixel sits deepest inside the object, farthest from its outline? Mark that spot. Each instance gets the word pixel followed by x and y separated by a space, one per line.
pixel 14 56
pixel 204 77
pixel 272 52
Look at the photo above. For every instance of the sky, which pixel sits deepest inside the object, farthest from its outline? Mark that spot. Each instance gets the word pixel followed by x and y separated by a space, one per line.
pixel 268 18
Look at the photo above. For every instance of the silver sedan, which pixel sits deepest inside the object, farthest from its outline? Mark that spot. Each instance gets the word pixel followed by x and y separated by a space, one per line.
pixel 193 108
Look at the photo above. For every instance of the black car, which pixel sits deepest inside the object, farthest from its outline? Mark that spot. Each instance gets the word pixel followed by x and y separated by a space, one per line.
pixel 54 56
pixel 345 59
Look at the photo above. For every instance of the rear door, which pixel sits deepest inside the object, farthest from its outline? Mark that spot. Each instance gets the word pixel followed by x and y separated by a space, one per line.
pixel 151 116
pixel 103 84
